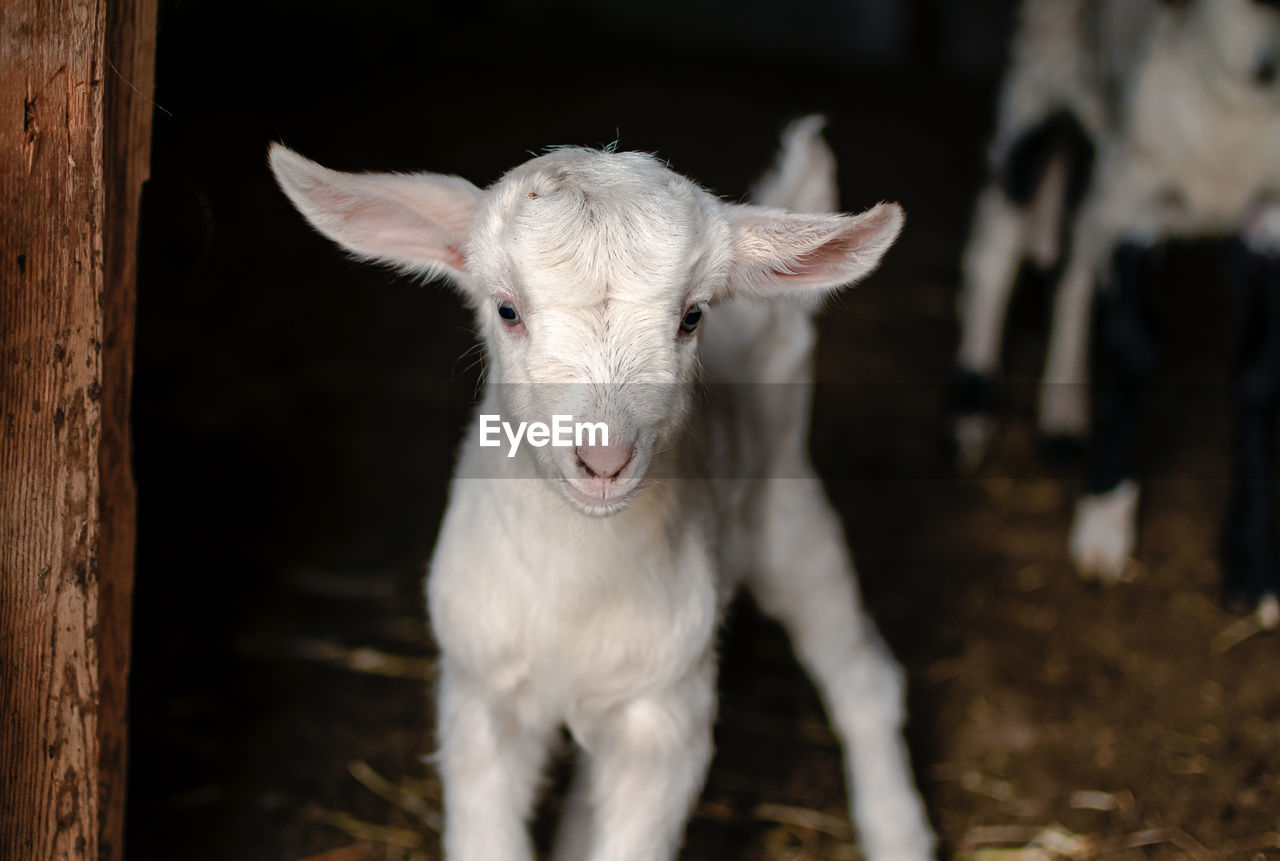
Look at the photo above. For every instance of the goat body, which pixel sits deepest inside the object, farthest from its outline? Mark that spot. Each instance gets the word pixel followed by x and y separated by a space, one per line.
pixel 584 587
pixel 1123 124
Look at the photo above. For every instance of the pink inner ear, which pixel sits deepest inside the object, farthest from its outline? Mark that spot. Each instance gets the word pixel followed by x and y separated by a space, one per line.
pixel 833 254
pixel 785 252
pixel 387 225
pixel 454 258
pixel 868 236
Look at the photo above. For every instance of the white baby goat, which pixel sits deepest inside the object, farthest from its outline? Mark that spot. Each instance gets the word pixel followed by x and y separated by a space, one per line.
pixel 590 596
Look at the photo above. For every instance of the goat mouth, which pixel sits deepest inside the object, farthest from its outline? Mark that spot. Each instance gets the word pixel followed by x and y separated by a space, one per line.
pixel 600 497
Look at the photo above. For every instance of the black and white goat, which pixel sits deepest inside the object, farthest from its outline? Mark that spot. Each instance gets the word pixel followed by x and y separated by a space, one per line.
pixel 1125 124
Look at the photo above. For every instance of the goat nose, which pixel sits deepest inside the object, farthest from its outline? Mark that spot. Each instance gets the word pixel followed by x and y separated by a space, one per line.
pixel 606 461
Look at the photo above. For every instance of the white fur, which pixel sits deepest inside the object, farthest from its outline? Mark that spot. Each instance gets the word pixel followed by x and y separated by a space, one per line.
pixel 562 599
pixel 1104 533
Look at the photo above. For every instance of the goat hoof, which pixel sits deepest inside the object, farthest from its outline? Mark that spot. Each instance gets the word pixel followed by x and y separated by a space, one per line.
pixel 1269 611
pixel 911 847
pixel 970 440
pixel 1104 534
pixel 1250 570
pixel 1265 606
pixel 970 403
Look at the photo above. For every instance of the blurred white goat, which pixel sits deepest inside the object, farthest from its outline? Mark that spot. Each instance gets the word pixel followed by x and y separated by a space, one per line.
pixel 606 286
pixel 1124 124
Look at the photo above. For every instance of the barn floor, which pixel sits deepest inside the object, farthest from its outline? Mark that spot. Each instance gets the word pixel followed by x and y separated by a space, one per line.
pixel 294 439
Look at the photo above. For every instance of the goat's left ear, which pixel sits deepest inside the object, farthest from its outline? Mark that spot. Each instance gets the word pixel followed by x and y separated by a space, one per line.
pixel 776 252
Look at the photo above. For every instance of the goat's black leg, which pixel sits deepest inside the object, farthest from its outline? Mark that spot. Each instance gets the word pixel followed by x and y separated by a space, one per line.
pixel 1127 354
pixel 1249 549
pixel 1104 531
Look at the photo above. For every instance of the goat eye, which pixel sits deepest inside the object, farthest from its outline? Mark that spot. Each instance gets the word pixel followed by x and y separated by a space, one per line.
pixel 691 319
pixel 508 313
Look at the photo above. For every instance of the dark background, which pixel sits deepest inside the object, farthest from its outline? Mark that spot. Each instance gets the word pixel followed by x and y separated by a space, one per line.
pixel 293 440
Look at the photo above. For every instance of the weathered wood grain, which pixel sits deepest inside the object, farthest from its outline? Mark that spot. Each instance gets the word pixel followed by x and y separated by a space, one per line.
pixel 69 197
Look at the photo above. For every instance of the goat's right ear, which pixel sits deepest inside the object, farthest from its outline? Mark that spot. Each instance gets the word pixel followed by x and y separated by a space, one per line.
pixel 417 222
pixel 776 252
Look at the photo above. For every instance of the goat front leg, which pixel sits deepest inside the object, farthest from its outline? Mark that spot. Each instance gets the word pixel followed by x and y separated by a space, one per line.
pixel 642 766
pixel 805 579
pixel 990 269
pixel 1104 530
pixel 491 759
pixel 1251 567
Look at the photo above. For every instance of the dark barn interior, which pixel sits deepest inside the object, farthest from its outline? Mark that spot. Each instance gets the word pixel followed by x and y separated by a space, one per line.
pixel 294 437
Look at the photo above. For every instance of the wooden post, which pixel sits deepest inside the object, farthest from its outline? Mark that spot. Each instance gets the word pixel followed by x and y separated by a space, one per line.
pixel 75 78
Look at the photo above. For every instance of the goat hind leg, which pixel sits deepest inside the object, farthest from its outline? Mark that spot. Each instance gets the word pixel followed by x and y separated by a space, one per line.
pixel 806 581
pixel 1252 567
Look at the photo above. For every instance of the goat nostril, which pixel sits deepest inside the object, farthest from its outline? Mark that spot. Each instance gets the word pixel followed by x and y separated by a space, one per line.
pixel 605 461
pixel 587 467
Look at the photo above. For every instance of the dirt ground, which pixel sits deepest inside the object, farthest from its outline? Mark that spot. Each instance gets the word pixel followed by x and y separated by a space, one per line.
pixel 293 445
